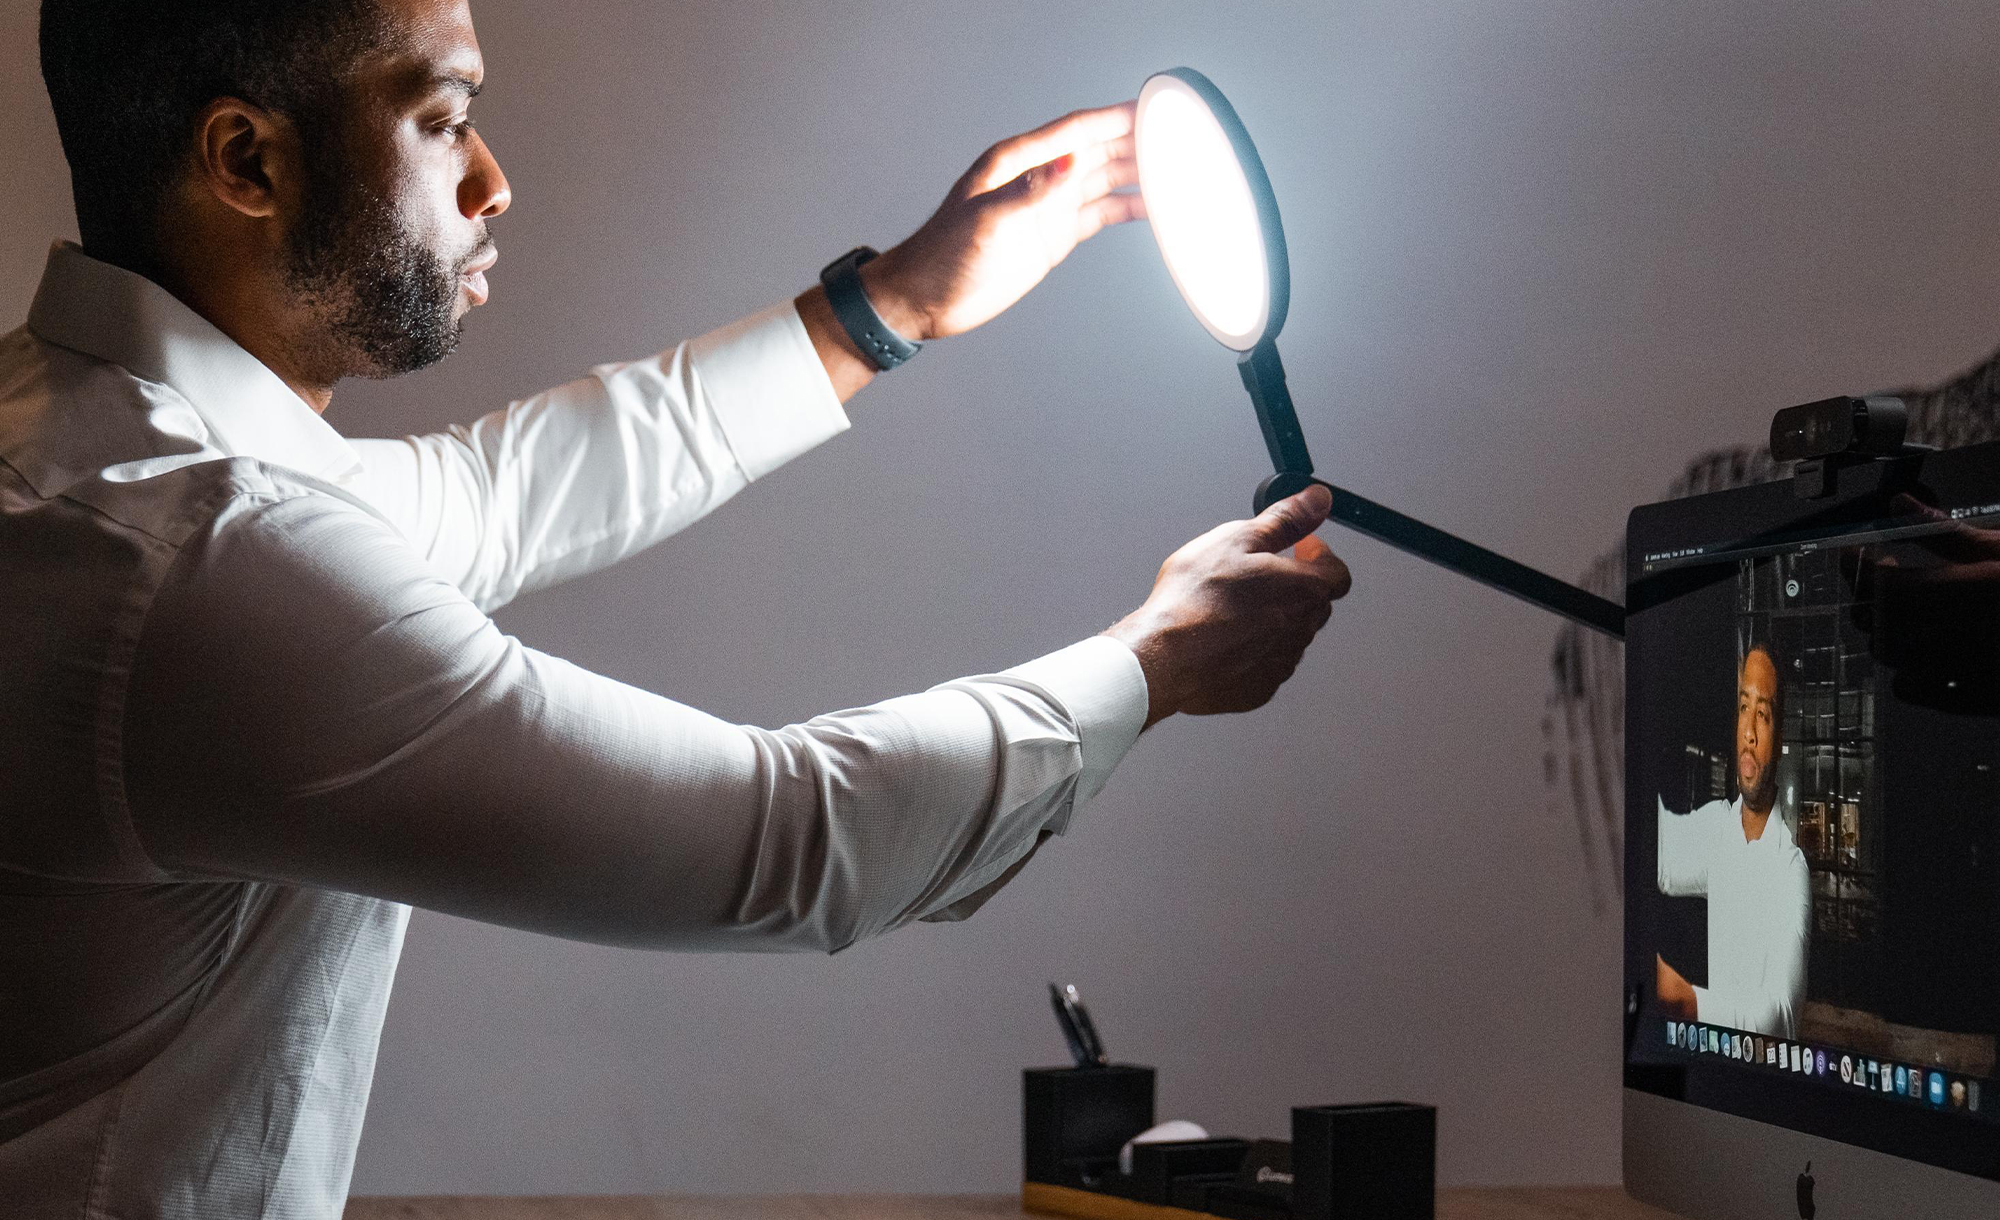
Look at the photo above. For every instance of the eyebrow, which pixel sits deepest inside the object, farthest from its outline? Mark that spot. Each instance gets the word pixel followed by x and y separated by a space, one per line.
pixel 457 82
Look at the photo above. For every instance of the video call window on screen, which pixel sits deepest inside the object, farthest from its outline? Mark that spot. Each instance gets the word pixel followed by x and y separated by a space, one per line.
pixel 1824 797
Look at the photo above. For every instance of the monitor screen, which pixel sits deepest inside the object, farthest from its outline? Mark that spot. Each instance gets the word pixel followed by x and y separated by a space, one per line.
pixel 1812 737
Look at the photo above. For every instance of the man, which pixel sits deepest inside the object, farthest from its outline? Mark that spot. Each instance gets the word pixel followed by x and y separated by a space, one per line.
pixel 250 702
pixel 1742 859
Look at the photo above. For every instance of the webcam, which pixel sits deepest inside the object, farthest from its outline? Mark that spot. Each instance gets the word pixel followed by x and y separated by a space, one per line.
pixel 1864 427
pixel 1825 435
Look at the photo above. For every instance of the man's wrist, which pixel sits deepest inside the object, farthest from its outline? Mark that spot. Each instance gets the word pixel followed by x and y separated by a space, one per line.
pixel 1147 644
pixel 846 368
pixel 884 279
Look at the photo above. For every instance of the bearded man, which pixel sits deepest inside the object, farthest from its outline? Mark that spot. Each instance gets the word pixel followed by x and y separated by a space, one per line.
pixel 1742 858
pixel 251 703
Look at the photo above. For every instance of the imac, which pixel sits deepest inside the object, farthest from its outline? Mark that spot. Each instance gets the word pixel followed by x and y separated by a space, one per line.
pixel 1812 858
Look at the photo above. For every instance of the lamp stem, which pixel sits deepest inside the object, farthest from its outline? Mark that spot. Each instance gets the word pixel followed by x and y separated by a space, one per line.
pixel 1264 376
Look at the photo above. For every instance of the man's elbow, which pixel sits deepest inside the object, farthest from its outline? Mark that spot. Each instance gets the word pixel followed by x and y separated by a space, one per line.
pixel 826 910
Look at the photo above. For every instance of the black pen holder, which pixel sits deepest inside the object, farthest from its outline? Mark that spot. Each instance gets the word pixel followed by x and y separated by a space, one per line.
pixel 1074 1121
pixel 1369 1162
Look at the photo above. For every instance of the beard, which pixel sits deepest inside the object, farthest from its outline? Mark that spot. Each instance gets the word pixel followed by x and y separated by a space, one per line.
pixel 1762 793
pixel 384 301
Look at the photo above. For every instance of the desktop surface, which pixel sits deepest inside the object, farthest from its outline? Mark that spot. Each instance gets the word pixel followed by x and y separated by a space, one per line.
pixel 1502 1203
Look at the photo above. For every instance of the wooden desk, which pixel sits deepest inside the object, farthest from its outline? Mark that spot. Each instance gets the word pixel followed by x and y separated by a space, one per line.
pixel 1550 1203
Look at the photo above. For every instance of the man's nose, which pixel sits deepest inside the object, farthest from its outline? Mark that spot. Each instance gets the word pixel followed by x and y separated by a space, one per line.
pixel 483 194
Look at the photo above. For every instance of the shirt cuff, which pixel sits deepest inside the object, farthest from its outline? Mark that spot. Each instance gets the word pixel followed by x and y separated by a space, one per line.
pixel 1099 682
pixel 768 389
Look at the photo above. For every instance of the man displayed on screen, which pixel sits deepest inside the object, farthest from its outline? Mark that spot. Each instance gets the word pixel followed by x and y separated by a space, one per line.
pixel 1741 857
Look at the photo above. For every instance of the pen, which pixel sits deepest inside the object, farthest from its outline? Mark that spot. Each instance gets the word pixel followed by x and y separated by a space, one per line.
pixel 1078 1029
pixel 1093 1044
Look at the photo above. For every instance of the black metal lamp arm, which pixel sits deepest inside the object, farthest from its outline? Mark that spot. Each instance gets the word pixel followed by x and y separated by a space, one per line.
pixel 1264 377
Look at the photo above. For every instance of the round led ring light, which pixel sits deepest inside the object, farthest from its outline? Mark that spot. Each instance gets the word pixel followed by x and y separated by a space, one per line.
pixel 1212 208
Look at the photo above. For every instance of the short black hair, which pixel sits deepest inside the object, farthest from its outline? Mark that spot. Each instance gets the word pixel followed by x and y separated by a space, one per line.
pixel 127 78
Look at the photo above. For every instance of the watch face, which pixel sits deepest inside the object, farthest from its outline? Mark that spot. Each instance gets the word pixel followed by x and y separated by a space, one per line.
pixel 851 260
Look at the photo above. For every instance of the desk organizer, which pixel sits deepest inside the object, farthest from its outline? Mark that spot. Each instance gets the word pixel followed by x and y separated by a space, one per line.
pixel 1366 1162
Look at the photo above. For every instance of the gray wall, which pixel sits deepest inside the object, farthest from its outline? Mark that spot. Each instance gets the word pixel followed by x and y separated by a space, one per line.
pixel 1543 252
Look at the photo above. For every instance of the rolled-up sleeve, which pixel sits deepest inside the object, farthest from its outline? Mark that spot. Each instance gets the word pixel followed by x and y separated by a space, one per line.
pixel 578 477
pixel 313 703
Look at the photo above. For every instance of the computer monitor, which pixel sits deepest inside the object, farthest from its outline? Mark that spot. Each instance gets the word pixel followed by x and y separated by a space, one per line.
pixel 1812 863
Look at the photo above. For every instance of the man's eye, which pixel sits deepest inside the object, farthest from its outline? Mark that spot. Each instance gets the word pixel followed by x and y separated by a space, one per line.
pixel 460 129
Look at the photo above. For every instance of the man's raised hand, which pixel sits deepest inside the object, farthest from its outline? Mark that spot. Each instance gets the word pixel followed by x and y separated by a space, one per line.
pixel 1021 208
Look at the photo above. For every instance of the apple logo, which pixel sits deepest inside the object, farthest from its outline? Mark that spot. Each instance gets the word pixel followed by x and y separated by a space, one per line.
pixel 1806 1207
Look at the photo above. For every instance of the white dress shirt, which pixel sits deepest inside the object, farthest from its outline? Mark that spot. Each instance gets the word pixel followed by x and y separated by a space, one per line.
pixel 1759 914
pixel 251 704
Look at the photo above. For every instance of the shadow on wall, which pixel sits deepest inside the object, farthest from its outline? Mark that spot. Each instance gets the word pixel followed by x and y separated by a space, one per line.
pixel 1583 719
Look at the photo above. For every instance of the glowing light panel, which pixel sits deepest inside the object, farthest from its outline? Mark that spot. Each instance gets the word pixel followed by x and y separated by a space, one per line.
pixel 1203 214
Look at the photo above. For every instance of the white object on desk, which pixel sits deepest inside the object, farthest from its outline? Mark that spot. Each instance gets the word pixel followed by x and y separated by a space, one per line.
pixel 1172 1131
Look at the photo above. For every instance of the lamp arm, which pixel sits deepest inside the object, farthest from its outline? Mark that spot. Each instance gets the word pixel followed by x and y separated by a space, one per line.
pixel 1264 376
pixel 1455 554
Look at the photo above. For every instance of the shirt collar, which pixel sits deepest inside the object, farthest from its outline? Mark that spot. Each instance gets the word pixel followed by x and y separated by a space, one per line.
pixel 115 315
pixel 1777 832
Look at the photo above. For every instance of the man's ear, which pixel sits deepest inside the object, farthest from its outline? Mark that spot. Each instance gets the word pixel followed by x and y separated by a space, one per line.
pixel 245 157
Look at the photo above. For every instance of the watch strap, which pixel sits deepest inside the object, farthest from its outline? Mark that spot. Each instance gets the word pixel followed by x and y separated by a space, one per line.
pixel 877 340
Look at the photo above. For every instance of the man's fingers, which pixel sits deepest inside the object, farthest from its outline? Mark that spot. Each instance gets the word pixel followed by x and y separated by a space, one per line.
pixel 1091 157
pixel 1320 557
pixel 1093 188
pixel 1285 523
pixel 1072 133
pixel 1110 210
pixel 1088 177
pixel 1107 177
pixel 1009 159
pixel 1033 184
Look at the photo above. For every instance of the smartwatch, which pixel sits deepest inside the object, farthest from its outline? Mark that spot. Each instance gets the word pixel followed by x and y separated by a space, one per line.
pixel 877 339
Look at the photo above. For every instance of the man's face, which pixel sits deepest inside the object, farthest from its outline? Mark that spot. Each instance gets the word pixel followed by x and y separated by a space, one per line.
pixel 389 247
pixel 1756 729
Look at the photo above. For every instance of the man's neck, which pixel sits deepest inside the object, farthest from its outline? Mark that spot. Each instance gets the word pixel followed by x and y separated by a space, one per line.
pixel 1754 822
pixel 245 320
pixel 237 311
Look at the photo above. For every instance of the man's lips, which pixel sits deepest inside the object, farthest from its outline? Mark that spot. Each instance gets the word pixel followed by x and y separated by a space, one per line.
pixel 474 276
